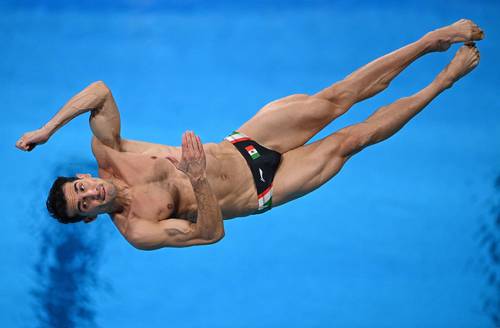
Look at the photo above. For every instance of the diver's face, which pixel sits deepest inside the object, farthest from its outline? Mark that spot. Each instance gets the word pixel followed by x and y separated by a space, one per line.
pixel 89 196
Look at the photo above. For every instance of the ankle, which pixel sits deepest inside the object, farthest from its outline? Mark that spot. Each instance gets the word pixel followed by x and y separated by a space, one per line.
pixel 443 81
pixel 435 41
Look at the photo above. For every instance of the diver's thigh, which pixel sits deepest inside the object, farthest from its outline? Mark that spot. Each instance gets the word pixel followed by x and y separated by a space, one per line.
pixel 289 122
pixel 306 168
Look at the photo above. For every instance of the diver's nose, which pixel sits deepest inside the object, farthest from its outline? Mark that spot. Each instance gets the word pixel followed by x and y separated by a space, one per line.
pixel 92 192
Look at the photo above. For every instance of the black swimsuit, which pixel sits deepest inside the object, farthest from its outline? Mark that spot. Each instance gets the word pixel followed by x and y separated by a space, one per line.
pixel 263 164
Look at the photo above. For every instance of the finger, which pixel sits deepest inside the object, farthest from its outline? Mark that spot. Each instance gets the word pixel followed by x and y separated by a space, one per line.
pixel 199 144
pixel 191 145
pixel 195 143
pixel 20 145
pixel 184 144
pixel 192 142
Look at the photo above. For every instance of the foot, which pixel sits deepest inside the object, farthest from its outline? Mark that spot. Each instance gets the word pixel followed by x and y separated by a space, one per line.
pixel 465 60
pixel 463 30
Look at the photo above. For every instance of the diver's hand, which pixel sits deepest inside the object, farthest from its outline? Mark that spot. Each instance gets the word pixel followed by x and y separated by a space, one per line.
pixel 31 139
pixel 193 161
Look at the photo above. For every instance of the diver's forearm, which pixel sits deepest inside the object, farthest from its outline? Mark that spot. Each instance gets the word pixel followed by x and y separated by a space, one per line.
pixel 209 223
pixel 91 98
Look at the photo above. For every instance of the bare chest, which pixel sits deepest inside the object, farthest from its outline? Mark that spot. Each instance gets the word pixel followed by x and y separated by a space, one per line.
pixel 154 185
pixel 153 201
pixel 159 191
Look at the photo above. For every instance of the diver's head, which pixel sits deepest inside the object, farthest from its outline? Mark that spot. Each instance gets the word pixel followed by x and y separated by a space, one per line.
pixel 80 198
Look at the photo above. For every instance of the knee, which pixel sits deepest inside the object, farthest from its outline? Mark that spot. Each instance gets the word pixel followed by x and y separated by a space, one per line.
pixel 353 139
pixel 349 145
pixel 338 145
pixel 329 158
pixel 342 95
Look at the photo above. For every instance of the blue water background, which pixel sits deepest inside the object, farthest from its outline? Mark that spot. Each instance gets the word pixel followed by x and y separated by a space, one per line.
pixel 404 236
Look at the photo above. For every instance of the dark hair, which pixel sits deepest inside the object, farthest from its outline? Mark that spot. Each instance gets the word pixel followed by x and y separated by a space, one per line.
pixel 56 202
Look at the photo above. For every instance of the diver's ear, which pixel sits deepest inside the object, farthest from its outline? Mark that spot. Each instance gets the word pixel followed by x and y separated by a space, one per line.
pixel 82 176
pixel 89 219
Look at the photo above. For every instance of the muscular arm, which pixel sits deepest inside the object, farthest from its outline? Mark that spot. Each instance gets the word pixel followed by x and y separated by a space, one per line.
pixel 104 118
pixel 208 229
pixel 209 226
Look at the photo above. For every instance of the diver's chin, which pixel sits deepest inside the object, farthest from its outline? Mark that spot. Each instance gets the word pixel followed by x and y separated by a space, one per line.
pixel 110 192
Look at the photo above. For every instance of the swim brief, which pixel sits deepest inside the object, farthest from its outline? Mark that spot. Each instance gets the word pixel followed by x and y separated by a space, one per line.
pixel 263 164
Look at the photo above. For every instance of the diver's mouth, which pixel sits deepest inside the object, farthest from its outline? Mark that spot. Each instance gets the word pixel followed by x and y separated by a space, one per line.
pixel 103 193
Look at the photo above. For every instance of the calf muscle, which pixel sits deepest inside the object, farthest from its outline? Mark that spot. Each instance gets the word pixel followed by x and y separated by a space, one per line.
pixel 386 121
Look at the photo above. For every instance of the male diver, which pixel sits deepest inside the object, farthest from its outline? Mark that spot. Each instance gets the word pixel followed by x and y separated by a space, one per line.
pixel 160 196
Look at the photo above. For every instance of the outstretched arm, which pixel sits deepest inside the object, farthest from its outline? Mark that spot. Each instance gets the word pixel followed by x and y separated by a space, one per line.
pixel 104 118
pixel 209 226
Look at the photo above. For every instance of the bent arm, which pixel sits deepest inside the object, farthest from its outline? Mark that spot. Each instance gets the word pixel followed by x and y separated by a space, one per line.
pixel 208 229
pixel 104 118
pixel 209 223
pixel 209 226
pixel 150 235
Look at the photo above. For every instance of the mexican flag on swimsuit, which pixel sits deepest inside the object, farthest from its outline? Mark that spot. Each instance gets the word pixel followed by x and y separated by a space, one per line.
pixel 252 152
pixel 236 137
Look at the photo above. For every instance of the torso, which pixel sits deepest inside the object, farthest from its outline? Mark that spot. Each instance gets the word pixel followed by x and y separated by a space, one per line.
pixel 159 191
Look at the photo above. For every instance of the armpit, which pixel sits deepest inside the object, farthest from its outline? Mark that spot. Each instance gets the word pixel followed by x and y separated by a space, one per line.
pixel 100 152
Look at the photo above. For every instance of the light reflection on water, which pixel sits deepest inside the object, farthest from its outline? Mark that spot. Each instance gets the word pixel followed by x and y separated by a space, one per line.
pixel 67 266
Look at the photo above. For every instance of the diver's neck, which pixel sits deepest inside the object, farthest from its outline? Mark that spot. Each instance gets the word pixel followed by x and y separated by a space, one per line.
pixel 123 198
